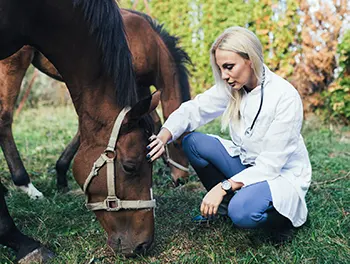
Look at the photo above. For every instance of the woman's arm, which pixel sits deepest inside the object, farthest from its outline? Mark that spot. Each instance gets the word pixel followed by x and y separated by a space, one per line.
pixel 190 115
pixel 214 197
pixel 199 111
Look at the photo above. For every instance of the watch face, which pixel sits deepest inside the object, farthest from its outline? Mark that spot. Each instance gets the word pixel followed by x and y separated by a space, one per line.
pixel 226 185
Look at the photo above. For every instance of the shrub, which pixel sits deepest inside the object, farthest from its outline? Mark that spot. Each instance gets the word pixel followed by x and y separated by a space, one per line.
pixel 336 105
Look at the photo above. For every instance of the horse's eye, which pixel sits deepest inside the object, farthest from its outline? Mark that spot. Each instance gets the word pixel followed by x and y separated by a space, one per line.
pixel 129 168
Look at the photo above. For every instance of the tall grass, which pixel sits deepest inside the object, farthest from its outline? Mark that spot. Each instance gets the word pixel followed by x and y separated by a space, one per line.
pixel 61 222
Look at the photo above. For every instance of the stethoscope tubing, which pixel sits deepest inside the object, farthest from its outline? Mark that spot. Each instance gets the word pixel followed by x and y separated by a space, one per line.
pixel 248 132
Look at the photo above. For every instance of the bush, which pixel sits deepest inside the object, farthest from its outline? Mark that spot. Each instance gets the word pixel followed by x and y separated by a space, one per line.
pixel 336 106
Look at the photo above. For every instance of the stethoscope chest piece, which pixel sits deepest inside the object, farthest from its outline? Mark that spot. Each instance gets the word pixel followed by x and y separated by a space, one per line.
pixel 248 132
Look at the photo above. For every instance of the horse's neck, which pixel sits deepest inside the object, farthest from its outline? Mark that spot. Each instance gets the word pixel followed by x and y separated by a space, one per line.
pixel 76 55
pixel 62 35
pixel 97 113
pixel 167 79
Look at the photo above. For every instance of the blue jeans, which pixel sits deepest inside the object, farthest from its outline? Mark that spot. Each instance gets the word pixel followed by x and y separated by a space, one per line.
pixel 251 206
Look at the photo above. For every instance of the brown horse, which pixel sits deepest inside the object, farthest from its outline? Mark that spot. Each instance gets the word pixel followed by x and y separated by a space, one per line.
pixel 162 66
pixel 86 42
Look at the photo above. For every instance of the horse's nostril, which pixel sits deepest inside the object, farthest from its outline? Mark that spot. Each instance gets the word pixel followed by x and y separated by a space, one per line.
pixel 141 248
pixel 115 244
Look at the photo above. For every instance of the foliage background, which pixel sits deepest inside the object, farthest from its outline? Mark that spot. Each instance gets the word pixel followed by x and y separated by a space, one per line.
pixel 300 42
pixel 312 51
pixel 306 44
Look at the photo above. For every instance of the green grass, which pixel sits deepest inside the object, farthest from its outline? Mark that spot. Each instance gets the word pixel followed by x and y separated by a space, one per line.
pixel 63 224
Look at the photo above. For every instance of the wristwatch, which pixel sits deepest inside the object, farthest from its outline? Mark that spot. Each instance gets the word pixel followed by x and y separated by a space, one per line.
pixel 226 186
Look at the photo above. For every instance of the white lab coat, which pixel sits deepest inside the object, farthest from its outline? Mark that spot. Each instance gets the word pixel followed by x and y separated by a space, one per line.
pixel 275 149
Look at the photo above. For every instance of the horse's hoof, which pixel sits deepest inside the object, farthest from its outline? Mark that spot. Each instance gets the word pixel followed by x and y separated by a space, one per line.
pixel 31 191
pixel 4 189
pixel 63 189
pixel 39 255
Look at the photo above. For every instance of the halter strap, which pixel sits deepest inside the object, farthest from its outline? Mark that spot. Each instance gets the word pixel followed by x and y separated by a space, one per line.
pixel 112 202
pixel 172 162
pixel 116 128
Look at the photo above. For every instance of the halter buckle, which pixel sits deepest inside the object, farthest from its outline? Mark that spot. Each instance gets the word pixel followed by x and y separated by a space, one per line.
pixel 110 154
pixel 112 204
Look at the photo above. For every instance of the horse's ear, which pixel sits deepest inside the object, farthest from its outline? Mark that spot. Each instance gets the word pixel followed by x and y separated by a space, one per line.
pixel 154 101
pixel 143 107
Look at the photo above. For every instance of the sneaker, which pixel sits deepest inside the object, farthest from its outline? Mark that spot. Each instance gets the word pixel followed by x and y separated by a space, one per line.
pixel 199 219
pixel 223 207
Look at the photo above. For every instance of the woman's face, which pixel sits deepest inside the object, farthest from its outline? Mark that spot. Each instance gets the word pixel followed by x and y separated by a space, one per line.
pixel 235 70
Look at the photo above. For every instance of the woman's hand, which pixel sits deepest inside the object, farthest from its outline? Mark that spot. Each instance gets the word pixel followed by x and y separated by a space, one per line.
pixel 157 145
pixel 157 148
pixel 212 200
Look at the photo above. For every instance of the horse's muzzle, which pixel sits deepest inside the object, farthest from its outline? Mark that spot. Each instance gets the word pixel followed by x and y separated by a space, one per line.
pixel 128 249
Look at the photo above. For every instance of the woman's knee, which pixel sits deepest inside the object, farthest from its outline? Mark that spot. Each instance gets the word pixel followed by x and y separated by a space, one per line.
pixel 239 216
pixel 247 220
pixel 190 139
pixel 190 142
pixel 243 216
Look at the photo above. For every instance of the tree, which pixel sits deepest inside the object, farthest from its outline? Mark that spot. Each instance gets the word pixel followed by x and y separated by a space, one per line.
pixel 318 48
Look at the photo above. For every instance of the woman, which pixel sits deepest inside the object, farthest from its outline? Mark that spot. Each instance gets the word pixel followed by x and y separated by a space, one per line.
pixel 265 164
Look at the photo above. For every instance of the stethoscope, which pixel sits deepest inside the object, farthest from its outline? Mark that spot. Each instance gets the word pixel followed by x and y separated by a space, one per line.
pixel 249 131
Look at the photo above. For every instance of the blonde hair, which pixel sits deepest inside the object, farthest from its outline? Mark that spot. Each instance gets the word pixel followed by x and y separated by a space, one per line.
pixel 246 44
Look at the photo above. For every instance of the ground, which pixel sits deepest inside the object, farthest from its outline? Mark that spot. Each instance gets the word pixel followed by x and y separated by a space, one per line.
pixel 61 221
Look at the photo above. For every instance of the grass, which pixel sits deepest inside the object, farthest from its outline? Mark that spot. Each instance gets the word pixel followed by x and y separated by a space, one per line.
pixel 63 224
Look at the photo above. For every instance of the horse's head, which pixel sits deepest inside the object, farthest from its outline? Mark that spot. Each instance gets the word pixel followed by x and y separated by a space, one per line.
pixel 12 26
pixel 122 200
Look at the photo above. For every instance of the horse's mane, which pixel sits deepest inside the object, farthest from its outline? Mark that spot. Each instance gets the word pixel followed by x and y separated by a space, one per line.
pixel 107 26
pixel 180 56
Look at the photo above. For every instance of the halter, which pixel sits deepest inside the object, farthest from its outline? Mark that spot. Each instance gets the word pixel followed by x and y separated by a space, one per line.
pixel 112 202
pixel 169 161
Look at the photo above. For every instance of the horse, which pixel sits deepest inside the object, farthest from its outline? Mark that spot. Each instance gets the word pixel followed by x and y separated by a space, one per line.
pixel 86 42
pixel 163 67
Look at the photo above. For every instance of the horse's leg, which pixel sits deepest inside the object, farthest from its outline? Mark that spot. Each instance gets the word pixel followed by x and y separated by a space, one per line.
pixel 27 249
pixel 63 163
pixel 44 65
pixel 3 189
pixel 12 71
